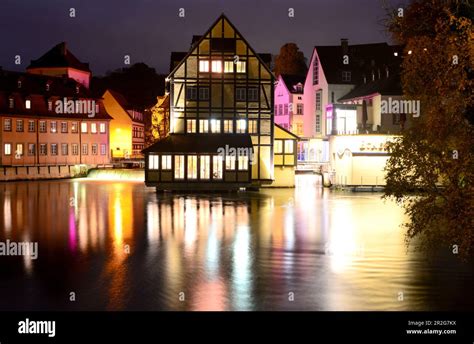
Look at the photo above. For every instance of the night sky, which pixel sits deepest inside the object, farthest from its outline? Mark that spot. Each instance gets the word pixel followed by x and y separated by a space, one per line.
pixel 148 30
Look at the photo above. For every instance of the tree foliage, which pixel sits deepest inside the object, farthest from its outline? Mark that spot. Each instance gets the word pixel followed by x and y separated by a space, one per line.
pixel 431 167
pixel 290 61
pixel 139 82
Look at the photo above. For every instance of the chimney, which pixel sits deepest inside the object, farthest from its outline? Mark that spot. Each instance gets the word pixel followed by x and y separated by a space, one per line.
pixel 345 46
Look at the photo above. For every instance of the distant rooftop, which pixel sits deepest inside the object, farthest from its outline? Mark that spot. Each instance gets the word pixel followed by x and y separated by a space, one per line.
pixel 363 59
pixel 59 56
pixel 292 80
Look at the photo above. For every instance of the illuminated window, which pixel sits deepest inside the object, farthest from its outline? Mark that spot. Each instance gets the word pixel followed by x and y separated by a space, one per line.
pixel 179 166
pixel 217 170
pixel 153 162
pixel 11 103
pixel 241 126
pixel 278 147
pixel 240 67
pixel 74 127
pixel 289 147
pixel 19 125
pixel 217 66
pixel 166 162
pixel 75 149
pixel 228 126
pixel 54 149
pixel 228 66
pixel 83 127
pixel 253 94
pixel 19 149
pixel 192 167
pixel 299 129
pixel 205 167
pixel 53 125
pixel 102 128
pixel 64 127
pixel 204 66
pixel 215 126
pixel 7 124
pixel 28 104
pixel 346 121
pixel 230 162
pixel 50 105
pixel 64 149
pixel 204 93
pixel 203 126
pixel 94 128
pixel 191 126
pixel 243 162
pixel 253 126
pixel 43 149
pixel 7 149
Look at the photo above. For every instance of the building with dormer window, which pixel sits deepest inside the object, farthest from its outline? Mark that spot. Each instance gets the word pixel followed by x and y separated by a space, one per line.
pixel 221 117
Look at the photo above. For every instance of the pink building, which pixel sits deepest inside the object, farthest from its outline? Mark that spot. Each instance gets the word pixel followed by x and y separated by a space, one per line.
pixel 289 105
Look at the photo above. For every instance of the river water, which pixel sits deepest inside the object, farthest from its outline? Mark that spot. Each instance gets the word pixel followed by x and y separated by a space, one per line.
pixel 117 245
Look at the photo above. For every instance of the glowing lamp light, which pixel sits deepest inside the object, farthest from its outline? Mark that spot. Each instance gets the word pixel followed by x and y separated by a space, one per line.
pixel 410 52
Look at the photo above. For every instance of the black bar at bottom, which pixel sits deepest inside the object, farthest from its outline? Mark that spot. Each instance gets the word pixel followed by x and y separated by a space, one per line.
pixel 294 327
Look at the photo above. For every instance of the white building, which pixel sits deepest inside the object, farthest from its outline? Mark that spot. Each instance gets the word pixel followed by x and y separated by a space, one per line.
pixel 333 72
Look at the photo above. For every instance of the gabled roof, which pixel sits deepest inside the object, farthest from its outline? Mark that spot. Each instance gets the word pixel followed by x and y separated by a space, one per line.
pixel 199 143
pixel 36 84
pixel 384 86
pixel 33 87
pixel 363 58
pixel 293 80
pixel 120 98
pixel 287 131
pixel 176 58
pixel 59 56
pixel 264 59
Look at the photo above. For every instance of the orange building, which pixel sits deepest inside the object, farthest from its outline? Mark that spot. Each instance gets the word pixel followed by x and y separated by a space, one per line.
pixel 49 118
pixel 127 133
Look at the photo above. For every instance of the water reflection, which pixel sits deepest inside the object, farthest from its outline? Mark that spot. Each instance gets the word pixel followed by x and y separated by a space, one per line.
pixel 123 246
